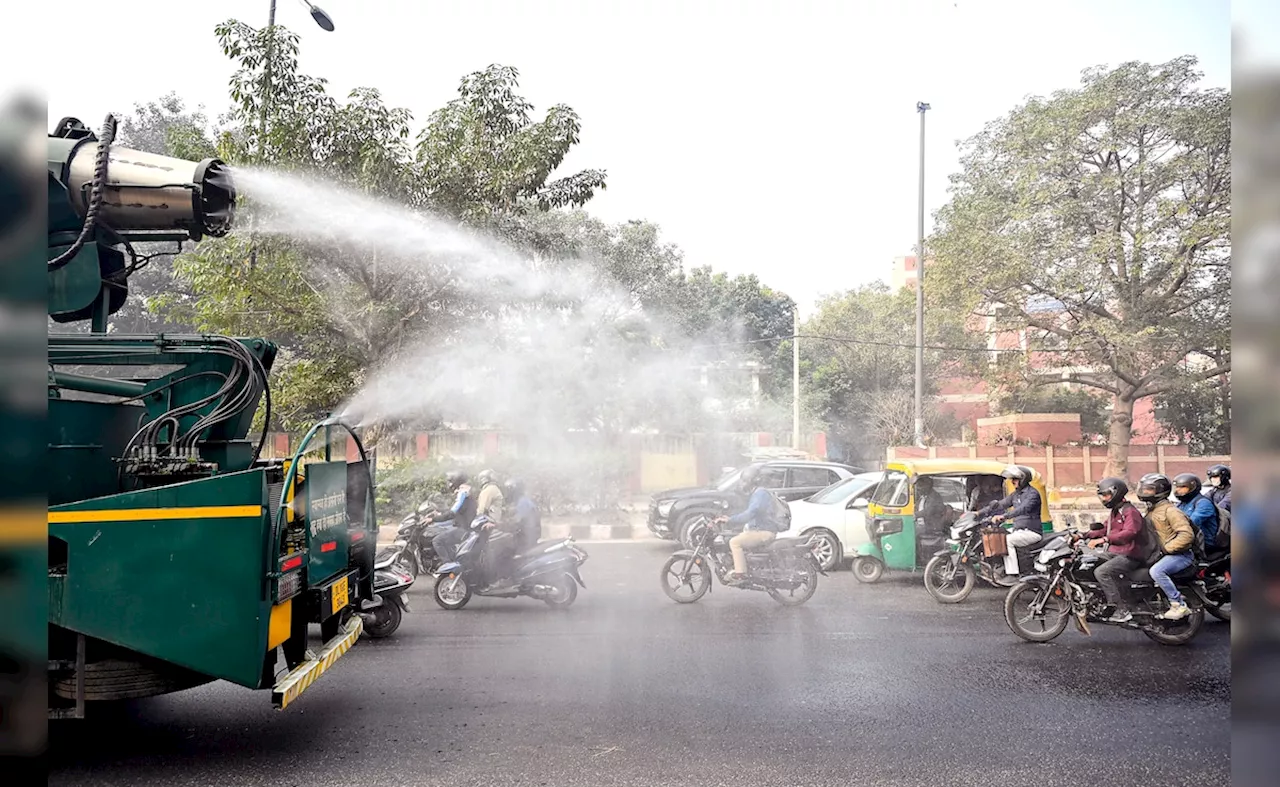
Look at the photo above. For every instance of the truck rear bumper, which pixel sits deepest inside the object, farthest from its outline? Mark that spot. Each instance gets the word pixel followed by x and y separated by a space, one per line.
pixel 301 677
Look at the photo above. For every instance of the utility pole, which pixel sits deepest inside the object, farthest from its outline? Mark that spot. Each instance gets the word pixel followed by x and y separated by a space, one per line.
pixel 921 107
pixel 795 381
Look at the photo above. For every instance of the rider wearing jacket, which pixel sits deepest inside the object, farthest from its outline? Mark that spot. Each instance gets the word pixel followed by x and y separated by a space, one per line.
pixel 1220 486
pixel 1022 508
pixel 1175 537
pixel 759 521
pixel 1123 536
pixel 528 521
pixel 1198 508
pixel 461 514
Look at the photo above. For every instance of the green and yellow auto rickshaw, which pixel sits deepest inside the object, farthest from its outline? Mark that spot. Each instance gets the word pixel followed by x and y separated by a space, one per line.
pixel 897 540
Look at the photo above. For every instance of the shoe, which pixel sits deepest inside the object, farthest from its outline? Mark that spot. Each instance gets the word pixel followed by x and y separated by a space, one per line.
pixel 1121 616
pixel 1176 611
pixel 734 578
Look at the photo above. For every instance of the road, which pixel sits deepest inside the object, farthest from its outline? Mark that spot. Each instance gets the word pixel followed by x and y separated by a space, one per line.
pixel 866 684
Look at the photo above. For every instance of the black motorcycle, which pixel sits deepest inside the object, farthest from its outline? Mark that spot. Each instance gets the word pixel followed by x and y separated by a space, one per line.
pixel 1065 587
pixel 785 568
pixel 952 573
pixel 382 614
pixel 415 536
pixel 546 571
pixel 1215 573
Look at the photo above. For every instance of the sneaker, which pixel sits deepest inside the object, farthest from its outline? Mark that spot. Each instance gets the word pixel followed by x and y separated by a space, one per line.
pixel 1177 611
pixel 1121 616
pixel 734 578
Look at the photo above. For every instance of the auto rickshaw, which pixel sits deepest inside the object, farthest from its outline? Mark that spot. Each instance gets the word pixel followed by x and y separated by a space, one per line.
pixel 896 541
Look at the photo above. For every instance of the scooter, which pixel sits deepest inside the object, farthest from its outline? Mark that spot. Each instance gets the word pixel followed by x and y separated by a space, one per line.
pixel 382 613
pixel 546 571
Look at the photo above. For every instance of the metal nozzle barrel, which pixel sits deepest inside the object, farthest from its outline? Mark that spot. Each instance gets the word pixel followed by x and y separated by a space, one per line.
pixel 148 193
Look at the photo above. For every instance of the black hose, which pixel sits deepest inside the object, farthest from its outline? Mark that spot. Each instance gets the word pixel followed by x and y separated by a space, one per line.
pixel 95 195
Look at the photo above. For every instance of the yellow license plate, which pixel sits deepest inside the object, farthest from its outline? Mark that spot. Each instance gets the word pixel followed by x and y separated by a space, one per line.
pixel 339 594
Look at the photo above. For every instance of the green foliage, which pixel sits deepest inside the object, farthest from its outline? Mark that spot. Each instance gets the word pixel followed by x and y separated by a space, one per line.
pixel 1199 413
pixel 1099 219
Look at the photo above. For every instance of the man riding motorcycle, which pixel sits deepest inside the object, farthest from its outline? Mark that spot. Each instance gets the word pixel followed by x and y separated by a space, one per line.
pixel 1198 508
pixel 1022 507
pixel 528 521
pixel 490 505
pixel 760 521
pixel 1123 536
pixel 461 514
pixel 1220 486
pixel 1175 536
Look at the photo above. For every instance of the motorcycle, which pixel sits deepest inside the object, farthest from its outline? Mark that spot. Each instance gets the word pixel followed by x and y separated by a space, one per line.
pixel 1215 573
pixel 952 573
pixel 382 614
pixel 415 535
pixel 546 571
pixel 1065 581
pixel 785 568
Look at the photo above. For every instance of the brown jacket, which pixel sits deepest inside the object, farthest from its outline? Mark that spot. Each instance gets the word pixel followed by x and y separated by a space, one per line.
pixel 490 503
pixel 1173 528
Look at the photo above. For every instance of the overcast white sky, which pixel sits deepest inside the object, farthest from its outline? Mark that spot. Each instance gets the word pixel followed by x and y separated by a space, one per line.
pixel 776 137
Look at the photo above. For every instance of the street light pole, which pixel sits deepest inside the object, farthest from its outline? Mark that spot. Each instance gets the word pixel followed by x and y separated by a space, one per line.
pixel 795 381
pixel 921 107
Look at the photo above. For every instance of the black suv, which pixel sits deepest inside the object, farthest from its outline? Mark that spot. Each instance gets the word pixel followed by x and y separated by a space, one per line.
pixel 671 511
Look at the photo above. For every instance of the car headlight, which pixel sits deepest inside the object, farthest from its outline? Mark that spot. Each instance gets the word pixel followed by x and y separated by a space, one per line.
pixel 664 507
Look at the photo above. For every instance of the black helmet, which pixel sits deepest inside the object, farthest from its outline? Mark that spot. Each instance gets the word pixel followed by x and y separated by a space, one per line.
pixel 1221 472
pixel 1154 487
pixel 1189 480
pixel 1116 488
pixel 455 478
pixel 1021 476
pixel 750 477
pixel 514 488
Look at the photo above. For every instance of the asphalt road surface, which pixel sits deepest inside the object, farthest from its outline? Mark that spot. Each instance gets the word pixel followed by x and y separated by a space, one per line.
pixel 864 685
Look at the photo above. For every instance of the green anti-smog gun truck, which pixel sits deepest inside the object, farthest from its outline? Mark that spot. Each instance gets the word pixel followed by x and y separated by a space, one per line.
pixel 177 555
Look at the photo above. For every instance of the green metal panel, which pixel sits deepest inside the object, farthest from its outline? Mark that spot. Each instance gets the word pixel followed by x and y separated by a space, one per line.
pixel 189 591
pixel 326 514
pixel 84 440
pixel 899 549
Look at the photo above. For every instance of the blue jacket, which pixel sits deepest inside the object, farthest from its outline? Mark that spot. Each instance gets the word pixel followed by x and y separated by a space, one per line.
pixel 1021 509
pixel 759 514
pixel 1203 516
pixel 1221 496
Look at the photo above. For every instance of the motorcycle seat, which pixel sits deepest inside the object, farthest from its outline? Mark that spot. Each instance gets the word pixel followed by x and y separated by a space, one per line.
pixel 790 542
pixel 1143 575
pixel 1216 554
pixel 540 548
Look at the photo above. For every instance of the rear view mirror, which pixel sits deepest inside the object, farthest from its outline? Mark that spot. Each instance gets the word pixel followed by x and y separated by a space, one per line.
pixel 860 502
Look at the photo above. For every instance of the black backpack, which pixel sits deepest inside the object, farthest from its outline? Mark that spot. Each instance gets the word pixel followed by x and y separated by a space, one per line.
pixel 1223 541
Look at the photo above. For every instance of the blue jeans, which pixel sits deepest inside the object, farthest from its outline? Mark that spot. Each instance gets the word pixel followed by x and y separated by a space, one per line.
pixel 1170 564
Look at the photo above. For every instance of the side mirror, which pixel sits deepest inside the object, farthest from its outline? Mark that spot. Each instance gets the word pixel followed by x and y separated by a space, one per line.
pixel 861 502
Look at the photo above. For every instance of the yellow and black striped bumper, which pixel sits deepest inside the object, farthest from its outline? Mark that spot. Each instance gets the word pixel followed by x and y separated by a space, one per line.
pixel 301 677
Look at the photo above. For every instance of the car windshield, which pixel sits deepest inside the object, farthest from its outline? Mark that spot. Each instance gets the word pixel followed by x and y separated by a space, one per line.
pixel 728 480
pixel 848 489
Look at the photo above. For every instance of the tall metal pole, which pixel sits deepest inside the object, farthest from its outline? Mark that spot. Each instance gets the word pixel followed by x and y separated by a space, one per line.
pixel 795 381
pixel 921 107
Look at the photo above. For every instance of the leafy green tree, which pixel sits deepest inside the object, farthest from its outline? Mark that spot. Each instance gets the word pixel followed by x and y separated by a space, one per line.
pixel 1200 414
pixel 1099 220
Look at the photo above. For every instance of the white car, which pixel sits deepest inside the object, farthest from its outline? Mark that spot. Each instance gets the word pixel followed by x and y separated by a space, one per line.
pixel 836 516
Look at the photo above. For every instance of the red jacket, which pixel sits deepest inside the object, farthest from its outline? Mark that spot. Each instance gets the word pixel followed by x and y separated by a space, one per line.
pixel 1123 532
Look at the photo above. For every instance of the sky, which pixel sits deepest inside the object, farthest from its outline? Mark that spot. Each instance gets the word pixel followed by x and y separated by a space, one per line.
pixel 778 137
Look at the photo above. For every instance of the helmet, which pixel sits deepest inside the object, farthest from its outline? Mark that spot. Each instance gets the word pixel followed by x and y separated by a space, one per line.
pixel 1188 480
pixel 485 476
pixel 1021 476
pixel 1154 487
pixel 455 478
pixel 1219 475
pixel 514 488
pixel 750 477
pixel 1116 488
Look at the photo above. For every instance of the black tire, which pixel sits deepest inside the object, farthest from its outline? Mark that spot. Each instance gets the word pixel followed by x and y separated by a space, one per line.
pixel 386 619
pixel 1184 630
pixel 942 594
pixel 674 567
pixel 829 548
pixel 868 569
pixel 1220 611
pixel 794 598
pixel 450 584
pixel 568 592
pixel 1015 625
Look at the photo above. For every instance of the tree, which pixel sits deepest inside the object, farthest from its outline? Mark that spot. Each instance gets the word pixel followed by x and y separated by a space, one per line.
pixel 858 366
pixel 342 306
pixel 1098 219
pixel 1198 413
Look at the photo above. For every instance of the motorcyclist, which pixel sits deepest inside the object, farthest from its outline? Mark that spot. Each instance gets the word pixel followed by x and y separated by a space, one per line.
pixel 1022 508
pixel 1198 508
pixel 490 507
pixel 1175 536
pixel 461 515
pixel 1123 536
pixel 760 521
pixel 1220 486
pixel 528 520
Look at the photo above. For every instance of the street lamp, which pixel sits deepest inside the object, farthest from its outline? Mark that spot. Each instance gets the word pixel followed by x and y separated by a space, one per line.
pixel 317 13
pixel 921 107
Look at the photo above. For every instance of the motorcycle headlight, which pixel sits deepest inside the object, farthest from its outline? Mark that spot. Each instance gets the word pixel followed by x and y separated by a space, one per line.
pixel 1041 567
pixel 664 507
